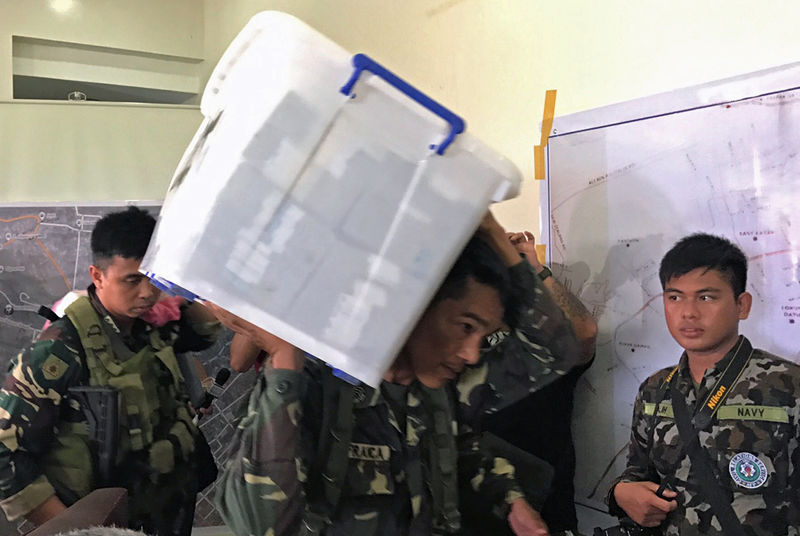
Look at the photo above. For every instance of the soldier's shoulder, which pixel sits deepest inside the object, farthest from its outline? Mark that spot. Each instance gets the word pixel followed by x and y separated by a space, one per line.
pixel 59 340
pixel 52 363
pixel 773 367
pixel 60 330
pixel 655 380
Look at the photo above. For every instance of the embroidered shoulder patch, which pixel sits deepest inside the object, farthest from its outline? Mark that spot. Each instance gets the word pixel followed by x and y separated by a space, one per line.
pixel 53 368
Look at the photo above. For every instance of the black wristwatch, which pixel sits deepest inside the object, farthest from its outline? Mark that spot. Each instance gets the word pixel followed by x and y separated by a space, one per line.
pixel 544 273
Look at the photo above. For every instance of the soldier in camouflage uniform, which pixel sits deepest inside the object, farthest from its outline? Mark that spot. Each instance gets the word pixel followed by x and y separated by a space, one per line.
pixel 752 438
pixel 400 460
pixel 47 461
pixel 552 332
pixel 546 338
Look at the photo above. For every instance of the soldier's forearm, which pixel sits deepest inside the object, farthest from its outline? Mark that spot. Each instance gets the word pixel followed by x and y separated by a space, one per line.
pixel 583 323
pixel 244 352
pixel 262 492
pixel 542 320
pixel 495 235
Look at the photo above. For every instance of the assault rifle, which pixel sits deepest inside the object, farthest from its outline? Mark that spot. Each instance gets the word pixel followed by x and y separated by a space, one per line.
pixel 100 406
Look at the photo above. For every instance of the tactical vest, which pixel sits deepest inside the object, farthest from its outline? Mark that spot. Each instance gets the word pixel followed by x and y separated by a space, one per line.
pixel 154 421
pixel 333 458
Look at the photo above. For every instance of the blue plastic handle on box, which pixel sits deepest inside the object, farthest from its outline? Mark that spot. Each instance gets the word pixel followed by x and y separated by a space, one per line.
pixel 339 373
pixel 342 375
pixel 169 287
pixel 362 62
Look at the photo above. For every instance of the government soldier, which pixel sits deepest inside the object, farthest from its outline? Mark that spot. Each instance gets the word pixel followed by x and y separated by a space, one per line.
pixel 317 455
pixel 521 392
pixel 47 458
pixel 714 445
pixel 551 333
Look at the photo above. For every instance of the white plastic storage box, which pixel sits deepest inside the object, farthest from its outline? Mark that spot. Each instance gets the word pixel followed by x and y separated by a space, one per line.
pixel 322 198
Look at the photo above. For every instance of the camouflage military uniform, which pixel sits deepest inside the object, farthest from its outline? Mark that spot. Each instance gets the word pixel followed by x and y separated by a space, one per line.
pixel 273 477
pixel 753 441
pixel 392 483
pixel 541 347
pixel 37 416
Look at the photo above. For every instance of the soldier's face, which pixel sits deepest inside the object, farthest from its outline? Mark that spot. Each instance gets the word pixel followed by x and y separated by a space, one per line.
pixel 123 291
pixel 450 333
pixel 702 312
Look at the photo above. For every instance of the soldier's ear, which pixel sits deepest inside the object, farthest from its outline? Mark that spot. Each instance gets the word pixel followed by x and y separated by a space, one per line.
pixel 743 303
pixel 97 276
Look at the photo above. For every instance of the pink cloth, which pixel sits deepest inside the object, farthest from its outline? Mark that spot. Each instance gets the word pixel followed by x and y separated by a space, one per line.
pixel 165 310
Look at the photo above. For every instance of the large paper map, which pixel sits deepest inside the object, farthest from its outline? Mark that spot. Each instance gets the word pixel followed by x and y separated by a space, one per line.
pixel 624 183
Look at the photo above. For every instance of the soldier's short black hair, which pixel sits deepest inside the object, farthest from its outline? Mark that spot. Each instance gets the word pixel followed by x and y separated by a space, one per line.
pixel 483 264
pixel 125 233
pixel 707 251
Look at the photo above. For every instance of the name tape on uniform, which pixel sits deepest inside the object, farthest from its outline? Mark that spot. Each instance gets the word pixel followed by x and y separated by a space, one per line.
pixel 753 413
pixel 664 409
pixel 730 412
pixel 369 453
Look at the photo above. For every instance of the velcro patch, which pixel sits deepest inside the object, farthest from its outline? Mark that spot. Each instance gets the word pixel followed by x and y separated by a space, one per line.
pixel 753 413
pixel 370 453
pixel 664 409
pixel 53 368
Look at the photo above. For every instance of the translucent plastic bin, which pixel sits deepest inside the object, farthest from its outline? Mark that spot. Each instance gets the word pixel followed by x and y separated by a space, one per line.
pixel 322 198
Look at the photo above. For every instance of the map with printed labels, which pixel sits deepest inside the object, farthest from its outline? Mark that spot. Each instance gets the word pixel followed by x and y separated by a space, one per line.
pixel 624 183
pixel 44 253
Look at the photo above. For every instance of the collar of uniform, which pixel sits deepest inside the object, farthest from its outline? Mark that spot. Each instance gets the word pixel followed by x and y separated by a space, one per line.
pixel 139 330
pixel 365 396
pixel 414 408
pixel 712 375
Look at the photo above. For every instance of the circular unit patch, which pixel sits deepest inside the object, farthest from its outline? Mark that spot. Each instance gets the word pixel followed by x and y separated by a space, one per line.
pixel 747 470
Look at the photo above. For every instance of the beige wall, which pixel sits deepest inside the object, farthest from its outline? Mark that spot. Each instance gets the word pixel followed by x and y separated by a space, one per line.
pixel 62 151
pixel 172 27
pixel 492 60
pixel 489 60
pixel 56 151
